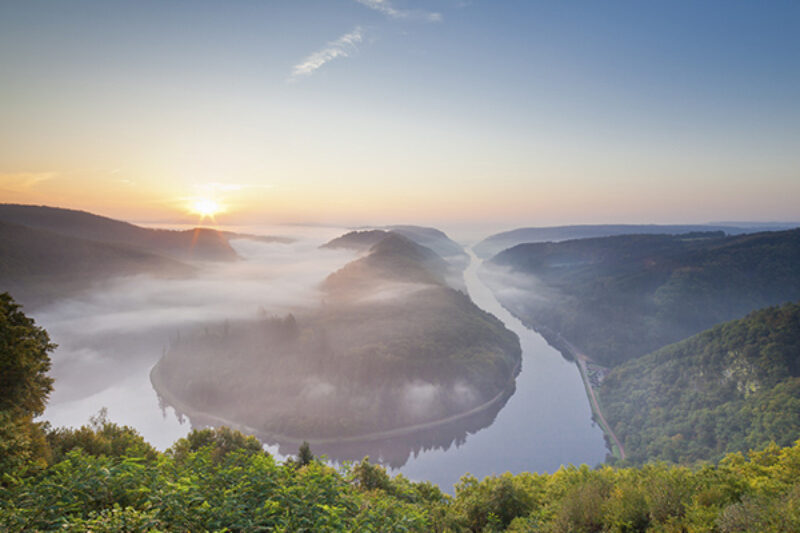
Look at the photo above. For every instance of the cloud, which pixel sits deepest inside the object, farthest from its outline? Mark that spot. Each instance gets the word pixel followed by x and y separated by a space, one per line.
pixel 341 47
pixel 385 7
pixel 25 180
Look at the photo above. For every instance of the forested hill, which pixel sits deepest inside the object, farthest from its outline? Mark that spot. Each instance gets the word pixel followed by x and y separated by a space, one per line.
pixel 400 257
pixel 41 265
pixel 392 258
pixel 617 298
pixel 437 241
pixel 360 240
pixel 732 388
pixel 199 243
pixel 507 239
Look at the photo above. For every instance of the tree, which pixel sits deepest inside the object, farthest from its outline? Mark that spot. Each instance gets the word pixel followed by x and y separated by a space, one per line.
pixel 24 361
pixel 24 386
pixel 304 455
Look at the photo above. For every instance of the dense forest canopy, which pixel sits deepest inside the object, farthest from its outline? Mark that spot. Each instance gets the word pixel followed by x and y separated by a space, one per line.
pixel 106 479
pixel 617 298
pixel 733 388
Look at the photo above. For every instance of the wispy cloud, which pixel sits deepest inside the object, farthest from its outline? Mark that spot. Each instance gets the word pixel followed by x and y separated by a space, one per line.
pixel 386 7
pixel 25 180
pixel 341 47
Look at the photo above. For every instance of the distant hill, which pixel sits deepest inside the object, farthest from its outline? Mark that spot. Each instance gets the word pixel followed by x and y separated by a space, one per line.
pixel 617 298
pixel 37 265
pixel 436 240
pixel 432 238
pixel 732 388
pixel 361 240
pixel 392 258
pixel 391 348
pixel 507 239
pixel 406 247
pixel 197 244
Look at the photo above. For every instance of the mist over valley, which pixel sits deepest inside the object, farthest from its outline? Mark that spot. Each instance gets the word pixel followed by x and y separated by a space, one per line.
pixel 399 266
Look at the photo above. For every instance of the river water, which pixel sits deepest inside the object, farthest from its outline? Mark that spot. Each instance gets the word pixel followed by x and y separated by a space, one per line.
pixel 544 424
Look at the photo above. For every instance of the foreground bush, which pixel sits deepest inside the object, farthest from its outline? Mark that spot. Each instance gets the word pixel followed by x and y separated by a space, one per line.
pixel 221 480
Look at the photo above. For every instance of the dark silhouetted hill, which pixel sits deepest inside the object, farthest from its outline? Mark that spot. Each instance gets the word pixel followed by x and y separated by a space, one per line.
pixel 38 265
pixel 196 244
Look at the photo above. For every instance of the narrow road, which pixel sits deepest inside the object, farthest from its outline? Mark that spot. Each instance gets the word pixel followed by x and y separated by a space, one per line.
pixel 582 359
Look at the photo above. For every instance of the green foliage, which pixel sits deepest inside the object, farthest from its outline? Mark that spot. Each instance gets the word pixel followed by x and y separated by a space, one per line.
pixel 24 388
pixel 245 490
pixel 370 477
pixel 218 441
pixel 304 455
pixel 100 437
pixel 495 501
pixel 24 362
pixel 733 388
pixel 617 298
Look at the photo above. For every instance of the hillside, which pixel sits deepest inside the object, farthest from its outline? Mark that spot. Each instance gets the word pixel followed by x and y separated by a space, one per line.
pixel 498 242
pixel 38 265
pixel 360 240
pixel 392 258
pixel 196 244
pixel 407 247
pixel 391 347
pixel 436 240
pixel 617 298
pixel 432 238
pixel 732 388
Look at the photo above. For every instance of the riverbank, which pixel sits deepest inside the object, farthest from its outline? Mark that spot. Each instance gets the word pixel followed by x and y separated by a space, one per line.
pixel 182 407
pixel 571 353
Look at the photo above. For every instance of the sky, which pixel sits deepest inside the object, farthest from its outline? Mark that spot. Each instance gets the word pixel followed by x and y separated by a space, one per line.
pixel 442 112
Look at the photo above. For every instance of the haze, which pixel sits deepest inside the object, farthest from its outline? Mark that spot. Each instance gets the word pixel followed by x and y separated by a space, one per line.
pixel 371 112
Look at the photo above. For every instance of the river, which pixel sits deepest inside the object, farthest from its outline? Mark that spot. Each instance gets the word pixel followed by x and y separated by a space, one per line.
pixel 544 424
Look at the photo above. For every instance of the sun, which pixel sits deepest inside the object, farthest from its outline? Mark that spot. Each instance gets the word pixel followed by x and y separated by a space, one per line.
pixel 206 208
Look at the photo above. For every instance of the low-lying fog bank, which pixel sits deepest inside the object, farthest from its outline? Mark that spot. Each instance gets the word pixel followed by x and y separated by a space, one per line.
pixel 391 347
pixel 111 336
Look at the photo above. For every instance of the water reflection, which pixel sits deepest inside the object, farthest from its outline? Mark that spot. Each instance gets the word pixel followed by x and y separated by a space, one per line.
pixel 393 452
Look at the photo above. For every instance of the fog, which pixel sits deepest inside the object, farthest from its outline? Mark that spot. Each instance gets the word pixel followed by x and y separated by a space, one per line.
pixel 110 336
pixel 522 293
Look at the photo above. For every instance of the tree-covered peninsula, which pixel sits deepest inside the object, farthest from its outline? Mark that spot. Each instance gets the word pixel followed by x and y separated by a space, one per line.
pixel 391 348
